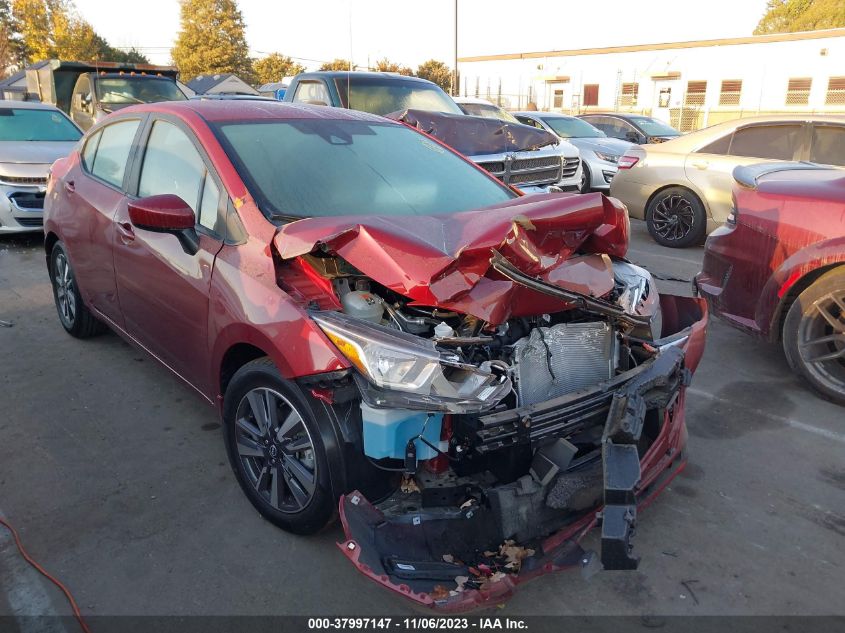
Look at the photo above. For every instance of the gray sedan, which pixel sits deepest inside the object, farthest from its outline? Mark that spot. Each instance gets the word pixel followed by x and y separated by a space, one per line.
pixel 32 137
pixel 599 154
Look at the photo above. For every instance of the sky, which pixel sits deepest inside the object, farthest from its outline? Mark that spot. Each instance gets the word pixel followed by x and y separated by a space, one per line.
pixel 412 31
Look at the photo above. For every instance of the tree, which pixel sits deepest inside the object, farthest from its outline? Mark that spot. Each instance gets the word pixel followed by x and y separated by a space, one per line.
pixel 12 50
pixel 436 71
pixel 384 65
pixel 338 64
pixel 275 67
pixel 46 29
pixel 212 40
pixel 790 16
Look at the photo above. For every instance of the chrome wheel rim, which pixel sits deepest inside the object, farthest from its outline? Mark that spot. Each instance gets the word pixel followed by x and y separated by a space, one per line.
pixel 673 217
pixel 583 184
pixel 275 450
pixel 65 290
pixel 821 340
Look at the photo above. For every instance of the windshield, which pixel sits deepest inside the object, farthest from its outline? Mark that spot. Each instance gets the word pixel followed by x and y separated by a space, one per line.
pixel 317 167
pixel 30 124
pixel 382 96
pixel 488 111
pixel 120 90
pixel 570 127
pixel 653 127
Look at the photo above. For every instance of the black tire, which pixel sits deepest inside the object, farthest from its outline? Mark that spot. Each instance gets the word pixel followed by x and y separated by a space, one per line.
pixel 586 184
pixel 815 329
pixel 74 315
pixel 676 218
pixel 275 482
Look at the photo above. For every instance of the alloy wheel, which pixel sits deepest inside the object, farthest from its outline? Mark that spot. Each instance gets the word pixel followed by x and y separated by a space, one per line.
pixel 65 291
pixel 276 450
pixel 673 217
pixel 821 339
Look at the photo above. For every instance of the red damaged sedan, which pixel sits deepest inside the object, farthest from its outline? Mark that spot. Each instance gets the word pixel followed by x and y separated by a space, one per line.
pixel 465 375
pixel 776 269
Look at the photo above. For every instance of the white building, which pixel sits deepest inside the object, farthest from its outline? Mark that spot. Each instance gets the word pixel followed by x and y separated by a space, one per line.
pixel 689 84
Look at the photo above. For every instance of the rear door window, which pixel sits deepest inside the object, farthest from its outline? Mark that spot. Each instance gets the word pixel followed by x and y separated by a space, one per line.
pixel 828 147
pixel 776 142
pixel 113 151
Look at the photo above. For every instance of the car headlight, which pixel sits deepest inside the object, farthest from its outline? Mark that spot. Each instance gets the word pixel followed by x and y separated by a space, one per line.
pixel 406 371
pixel 610 158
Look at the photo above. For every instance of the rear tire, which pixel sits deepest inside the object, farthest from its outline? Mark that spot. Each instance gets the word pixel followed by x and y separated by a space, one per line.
pixel 74 315
pixel 814 335
pixel 276 449
pixel 676 218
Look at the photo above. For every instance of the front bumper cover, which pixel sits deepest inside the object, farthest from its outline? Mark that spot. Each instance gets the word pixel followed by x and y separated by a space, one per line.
pixel 405 553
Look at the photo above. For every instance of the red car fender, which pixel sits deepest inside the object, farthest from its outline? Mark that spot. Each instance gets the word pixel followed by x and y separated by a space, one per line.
pixel 776 293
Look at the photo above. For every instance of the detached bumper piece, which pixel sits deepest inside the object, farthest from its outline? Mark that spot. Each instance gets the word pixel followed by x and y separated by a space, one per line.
pixel 654 388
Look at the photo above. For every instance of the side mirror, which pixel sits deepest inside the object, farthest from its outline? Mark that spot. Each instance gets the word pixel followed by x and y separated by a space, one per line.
pixel 633 137
pixel 166 213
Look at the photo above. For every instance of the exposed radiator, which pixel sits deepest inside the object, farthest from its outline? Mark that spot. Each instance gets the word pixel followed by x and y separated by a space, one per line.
pixel 557 360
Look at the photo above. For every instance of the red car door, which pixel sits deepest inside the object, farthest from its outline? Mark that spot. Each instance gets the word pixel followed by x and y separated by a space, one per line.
pixel 93 191
pixel 162 285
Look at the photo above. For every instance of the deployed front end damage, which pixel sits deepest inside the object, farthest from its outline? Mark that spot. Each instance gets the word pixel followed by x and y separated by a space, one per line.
pixel 512 375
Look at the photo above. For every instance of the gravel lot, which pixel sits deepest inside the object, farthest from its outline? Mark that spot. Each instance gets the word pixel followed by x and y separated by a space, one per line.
pixel 114 473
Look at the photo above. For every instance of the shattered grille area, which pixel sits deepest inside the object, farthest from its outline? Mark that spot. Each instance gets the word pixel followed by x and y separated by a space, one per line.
pixel 554 361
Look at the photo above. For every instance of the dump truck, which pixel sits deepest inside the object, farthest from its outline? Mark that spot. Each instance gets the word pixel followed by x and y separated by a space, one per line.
pixel 88 91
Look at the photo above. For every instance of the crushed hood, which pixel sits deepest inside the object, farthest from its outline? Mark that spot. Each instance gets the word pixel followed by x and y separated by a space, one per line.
pixel 475 135
pixel 444 260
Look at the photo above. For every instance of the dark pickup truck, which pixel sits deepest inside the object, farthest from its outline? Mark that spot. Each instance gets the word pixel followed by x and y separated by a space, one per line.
pixel 516 154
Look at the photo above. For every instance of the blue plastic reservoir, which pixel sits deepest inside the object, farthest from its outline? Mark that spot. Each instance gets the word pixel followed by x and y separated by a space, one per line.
pixel 387 431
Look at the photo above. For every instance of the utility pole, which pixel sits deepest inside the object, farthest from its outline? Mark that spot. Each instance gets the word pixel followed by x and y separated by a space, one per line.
pixel 455 86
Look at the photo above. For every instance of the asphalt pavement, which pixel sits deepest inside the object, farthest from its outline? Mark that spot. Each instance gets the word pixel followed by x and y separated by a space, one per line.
pixel 115 475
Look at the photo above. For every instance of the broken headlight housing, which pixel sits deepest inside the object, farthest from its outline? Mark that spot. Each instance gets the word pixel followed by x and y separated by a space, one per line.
pixel 406 371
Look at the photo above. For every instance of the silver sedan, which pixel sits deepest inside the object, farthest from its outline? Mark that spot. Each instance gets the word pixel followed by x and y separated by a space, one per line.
pixel 32 137
pixel 599 154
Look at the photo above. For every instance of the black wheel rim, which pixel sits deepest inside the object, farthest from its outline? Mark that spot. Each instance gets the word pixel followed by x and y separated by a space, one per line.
pixel 275 450
pixel 821 340
pixel 673 217
pixel 65 290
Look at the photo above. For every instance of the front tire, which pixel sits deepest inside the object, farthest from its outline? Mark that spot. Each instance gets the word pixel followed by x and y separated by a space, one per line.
pixel 586 179
pixel 676 218
pixel 814 335
pixel 74 315
pixel 276 449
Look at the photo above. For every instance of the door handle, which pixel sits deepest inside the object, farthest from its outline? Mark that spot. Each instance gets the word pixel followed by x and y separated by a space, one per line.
pixel 700 164
pixel 69 186
pixel 125 231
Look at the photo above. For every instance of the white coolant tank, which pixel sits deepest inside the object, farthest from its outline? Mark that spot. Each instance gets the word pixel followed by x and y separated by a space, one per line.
pixel 363 305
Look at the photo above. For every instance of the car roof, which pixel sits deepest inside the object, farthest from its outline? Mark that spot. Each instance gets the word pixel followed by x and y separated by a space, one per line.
pixel 342 74
pixel 700 138
pixel 219 110
pixel 540 114
pixel 26 105
pixel 473 100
